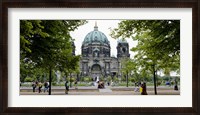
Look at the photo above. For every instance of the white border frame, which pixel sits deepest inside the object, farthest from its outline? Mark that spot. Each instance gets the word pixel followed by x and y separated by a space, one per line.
pixel 183 100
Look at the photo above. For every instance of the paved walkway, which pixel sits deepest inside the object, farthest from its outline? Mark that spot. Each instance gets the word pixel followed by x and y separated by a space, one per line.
pixel 104 93
pixel 107 91
pixel 112 87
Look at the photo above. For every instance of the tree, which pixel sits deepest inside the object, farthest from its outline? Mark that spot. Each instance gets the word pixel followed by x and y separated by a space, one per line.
pixel 71 66
pixel 128 67
pixel 158 45
pixel 47 43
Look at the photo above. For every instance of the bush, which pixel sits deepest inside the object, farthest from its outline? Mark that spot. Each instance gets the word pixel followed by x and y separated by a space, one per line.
pixel 85 84
pixel 54 84
pixel 87 79
pixel 82 79
pixel 101 78
pixel 122 84
pixel 123 78
pixel 109 78
pixel 26 84
pixel 159 83
pixel 115 79
pixel 131 79
pixel 28 79
pixel 72 79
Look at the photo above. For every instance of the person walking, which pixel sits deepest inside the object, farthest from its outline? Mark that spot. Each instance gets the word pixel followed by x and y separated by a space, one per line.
pixel 37 86
pixel 66 87
pixel 144 89
pixel 141 87
pixel 176 85
pixel 40 87
pixel 46 86
pixel 34 86
pixel 137 88
pixel 76 83
pixel 108 83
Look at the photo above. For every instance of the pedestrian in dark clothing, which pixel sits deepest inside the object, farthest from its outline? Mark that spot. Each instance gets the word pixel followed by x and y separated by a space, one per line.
pixel 108 83
pixel 76 84
pixel 34 86
pixel 66 87
pixel 46 86
pixel 144 89
pixel 176 85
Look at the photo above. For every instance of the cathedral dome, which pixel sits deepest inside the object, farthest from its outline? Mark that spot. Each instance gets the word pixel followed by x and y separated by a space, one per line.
pixel 96 36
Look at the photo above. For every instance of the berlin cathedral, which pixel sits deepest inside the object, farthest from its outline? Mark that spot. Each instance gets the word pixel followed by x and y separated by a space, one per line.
pixel 96 60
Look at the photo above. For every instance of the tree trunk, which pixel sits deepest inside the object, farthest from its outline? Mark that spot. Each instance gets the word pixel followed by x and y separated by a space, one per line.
pixel 50 81
pixel 78 77
pixel 70 80
pixel 126 79
pixel 154 79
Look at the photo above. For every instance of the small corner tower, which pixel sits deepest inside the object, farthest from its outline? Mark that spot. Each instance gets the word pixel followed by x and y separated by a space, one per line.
pixel 122 48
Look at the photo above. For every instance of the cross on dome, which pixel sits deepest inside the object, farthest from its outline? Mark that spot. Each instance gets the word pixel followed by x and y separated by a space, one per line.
pixel 95 27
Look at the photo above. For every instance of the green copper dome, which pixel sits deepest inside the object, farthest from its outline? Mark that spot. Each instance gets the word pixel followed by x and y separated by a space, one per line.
pixel 122 41
pixel 95 36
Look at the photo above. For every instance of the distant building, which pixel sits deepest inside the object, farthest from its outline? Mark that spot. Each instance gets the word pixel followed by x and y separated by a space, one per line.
pixel 96 60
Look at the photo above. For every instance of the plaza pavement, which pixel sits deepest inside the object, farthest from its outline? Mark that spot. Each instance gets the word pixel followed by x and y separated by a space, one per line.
pixel 93 90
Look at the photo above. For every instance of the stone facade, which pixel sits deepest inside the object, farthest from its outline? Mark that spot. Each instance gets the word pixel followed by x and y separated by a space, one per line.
pixel 96 60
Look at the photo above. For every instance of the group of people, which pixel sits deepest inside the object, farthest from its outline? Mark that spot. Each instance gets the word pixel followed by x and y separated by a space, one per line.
pixel 141 87
pixel 39 85
pixel 170 83
pixel 100 85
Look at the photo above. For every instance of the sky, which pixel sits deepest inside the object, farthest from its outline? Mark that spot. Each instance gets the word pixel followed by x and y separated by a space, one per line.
pixel 103 26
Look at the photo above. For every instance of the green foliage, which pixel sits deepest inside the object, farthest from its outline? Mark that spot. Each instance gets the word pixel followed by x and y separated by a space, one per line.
pixel 124 84
pixel 54 79
pixel 123 78
pixel 115 79
pixel 158 45
pixel 132 79
pixel 46 41
pixel 87 79
pixel 82 79
pixel 54 83
pixel 166 78
pixel 32 30
pixel 72 79
pixel 84 84
pixel 158 42
pixel 170 78
pixel 128 65
pixel 177 79
pixel 101 78
pixel 28 28
pixel 46 44
pixel 28 79
pixel 67 78
pixel 109 78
